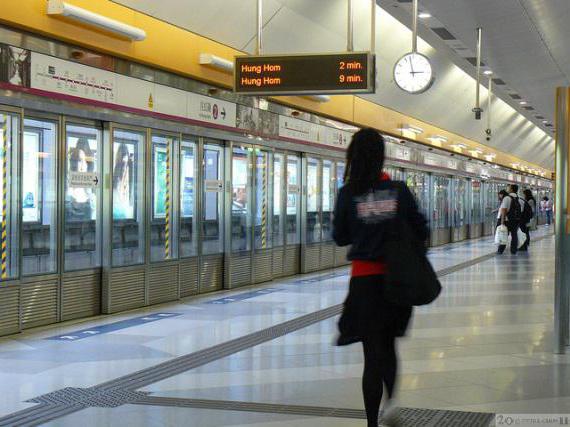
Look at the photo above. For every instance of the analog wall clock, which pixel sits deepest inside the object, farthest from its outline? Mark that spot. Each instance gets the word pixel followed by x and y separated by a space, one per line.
pixel 413 73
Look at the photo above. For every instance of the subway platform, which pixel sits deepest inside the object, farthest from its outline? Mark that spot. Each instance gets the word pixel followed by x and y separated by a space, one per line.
pixel 263 356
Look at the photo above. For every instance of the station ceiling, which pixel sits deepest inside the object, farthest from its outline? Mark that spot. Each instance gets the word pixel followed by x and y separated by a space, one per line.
pixel 300 26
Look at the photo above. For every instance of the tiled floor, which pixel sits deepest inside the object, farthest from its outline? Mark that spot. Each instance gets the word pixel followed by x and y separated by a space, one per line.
pixel 484 346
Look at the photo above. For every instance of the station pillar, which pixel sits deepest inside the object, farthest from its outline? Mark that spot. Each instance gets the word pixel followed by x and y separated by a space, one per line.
pixel 562 223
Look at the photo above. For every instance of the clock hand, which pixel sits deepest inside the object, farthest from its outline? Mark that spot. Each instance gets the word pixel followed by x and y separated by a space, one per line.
pixel 411 65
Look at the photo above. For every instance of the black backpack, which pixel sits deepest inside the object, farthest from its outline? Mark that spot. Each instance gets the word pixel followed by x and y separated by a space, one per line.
pixel 527 213
pixel 514 214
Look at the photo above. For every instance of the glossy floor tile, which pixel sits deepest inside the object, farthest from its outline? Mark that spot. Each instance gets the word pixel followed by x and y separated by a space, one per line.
pixel 484 345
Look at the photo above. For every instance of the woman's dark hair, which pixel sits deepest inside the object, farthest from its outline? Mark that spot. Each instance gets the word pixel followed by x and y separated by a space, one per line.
pixel 503 193
pixel 83 144
pixel 528 195
pixel 545 199
pixel 364 160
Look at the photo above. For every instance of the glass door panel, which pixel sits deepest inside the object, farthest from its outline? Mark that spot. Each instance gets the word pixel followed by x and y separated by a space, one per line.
pixel 82 213
pixel 340 169
pixel 418 184
pixel 440 217
pixel 39 197
pixel 9 132
pixel 241 199
pixel 188 241
pixel 459 201
pixel 278 211
pixel 477 205
pixel 328 191
pixel 262 192
pixel 313 231
pixel 212 240
pixel 128 197
pixel 162 244
pixel 293 221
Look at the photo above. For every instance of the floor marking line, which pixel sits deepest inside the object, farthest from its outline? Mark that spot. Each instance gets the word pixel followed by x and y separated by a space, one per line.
pixel 46 412
pixel 409 416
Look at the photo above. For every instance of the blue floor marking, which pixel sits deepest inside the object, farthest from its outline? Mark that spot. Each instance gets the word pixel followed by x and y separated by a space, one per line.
pixel 320 278
pixel 243 296
pixel 111 327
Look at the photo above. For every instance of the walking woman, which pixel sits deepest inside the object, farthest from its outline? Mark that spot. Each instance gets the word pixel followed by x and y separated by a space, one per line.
pixel 366 205
pixel 531 226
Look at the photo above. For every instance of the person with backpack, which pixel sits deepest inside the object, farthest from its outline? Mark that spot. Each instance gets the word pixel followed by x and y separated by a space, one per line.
pixel 510 215
pixel 528 217
pixel 369 208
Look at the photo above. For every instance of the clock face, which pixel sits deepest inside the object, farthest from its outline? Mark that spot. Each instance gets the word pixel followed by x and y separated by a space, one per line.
pixel 413 73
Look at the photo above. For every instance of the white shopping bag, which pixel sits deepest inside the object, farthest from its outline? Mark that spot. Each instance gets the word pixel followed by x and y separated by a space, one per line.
pixel 502 235
pixel 522 237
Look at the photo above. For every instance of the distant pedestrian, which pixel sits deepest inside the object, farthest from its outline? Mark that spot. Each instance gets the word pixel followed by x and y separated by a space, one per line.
pixel 510 214
pixel 366 207
pixel 530 218
pixel 546 207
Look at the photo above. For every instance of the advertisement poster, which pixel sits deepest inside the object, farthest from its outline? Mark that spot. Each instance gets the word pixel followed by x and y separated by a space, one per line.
pixel 239 184
pixel 211 159
pixel 15 65
pixel 160 187
pixel 326 189
pixel 124 180
pixel 31 179
pixel 187 184
pixel 312 188
pixel 82 180
pixel 292 189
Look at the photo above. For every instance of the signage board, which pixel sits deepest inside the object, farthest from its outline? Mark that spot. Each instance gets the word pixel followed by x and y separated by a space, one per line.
pixel 83 179
pixel 349 72
pixel 213 186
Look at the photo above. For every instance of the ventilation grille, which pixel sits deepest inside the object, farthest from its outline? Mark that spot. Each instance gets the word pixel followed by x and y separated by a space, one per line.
pixel 473 61
pixel 81 296
pixel 292 260
pixel 443 33
pixel 262 266
pixel 278 260
pixel 515 96
pixel 188 277
pixel 327 255
pixel 311 258
pixel 162 283
pixel 211 273
pixel 126 290
pixel 499 82
pixel 240 270
pixel 9 310
pixel 39 303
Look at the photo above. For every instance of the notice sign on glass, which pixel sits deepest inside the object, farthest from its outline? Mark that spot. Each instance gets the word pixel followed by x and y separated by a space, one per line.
pixel 350 72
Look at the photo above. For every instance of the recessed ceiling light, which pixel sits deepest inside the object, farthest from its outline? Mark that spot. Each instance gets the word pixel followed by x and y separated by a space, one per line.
pixel 424 15
pixel 523 102
pixel 488 72
pixel 545 121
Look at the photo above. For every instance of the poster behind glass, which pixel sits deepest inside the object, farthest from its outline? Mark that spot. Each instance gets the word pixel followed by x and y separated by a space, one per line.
pixel 326 188
pixel 124 182
pixel 160 187
pixel 211 173
pixel 81 202
pixel 293 184
pixel 312 187
pixel 187 183
pixel 31 190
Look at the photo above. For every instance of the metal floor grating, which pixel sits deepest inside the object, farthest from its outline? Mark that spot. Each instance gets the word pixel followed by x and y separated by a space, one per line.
pixel 121 390
pixel 409 417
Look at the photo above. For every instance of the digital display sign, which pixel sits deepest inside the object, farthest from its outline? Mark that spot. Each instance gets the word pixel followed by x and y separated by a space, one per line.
pixel 350 72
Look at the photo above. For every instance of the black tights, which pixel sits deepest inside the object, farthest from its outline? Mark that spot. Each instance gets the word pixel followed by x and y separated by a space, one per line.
pixel 380 366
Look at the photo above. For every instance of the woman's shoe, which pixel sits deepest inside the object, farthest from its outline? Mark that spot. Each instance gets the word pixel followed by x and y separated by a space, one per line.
pixel 391 414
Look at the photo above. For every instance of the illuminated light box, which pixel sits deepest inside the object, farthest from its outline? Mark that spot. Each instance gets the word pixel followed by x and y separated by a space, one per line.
pixel 350 72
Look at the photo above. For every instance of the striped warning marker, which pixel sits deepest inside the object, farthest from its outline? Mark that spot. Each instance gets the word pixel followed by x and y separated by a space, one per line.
pixel 4 197
pixel 264 205
pixel 167 205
